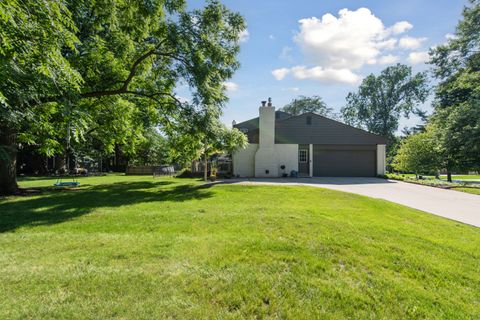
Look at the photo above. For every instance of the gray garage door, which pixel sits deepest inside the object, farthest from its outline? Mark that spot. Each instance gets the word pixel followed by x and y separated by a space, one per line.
pixel 344 161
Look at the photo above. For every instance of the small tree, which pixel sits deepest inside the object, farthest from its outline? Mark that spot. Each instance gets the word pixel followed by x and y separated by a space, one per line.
pixel 304 104
pixel 204 137
pixel 222 140
pixel 418 153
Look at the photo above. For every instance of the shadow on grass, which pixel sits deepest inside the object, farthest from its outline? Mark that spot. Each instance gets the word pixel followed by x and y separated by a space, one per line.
pixel 63 205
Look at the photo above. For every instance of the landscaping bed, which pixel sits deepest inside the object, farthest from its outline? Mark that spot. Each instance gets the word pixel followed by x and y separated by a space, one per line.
pixel 431 181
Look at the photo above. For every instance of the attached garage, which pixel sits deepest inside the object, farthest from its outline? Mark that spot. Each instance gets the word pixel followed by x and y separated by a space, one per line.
pixel 344 161
pixel 308 144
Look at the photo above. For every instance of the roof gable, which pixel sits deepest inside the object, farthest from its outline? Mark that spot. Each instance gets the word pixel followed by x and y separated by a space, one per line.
pixel 322 130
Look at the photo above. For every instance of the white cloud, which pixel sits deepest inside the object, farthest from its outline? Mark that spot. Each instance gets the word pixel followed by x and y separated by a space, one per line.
pixel 418 57
pixel 400 27
pixel 271 37
pixel 411 43
pixel 387 44
pixel 336 47
pixel 294 89
pixel 326 75
pixel 230 86
pixel 388 59
pixel 244 36
pixel 281 73
pixel 350 41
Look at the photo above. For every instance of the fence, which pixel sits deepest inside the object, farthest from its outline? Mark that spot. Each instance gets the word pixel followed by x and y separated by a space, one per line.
pixel 150 170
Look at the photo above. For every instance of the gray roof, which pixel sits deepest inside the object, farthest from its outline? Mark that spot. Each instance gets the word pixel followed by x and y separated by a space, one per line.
pixel 291 129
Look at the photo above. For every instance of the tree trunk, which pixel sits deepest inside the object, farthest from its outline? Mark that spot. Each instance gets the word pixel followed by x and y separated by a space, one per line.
pixel 449 175
pixel 205 168
pixel 61 163
pixel 8 162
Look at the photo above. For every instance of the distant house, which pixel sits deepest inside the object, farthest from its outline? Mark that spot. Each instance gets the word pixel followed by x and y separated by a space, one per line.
pixel 310 144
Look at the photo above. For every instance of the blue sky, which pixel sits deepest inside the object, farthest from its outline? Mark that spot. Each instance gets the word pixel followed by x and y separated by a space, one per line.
pixel 307 47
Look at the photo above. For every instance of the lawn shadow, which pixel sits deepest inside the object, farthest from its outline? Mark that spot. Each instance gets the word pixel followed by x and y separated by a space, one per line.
pixel 63 205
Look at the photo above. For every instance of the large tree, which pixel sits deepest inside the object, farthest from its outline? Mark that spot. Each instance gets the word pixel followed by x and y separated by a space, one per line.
pixel 456 65
pixel 33 34
pixel 88 57
pixel 303 104
pixel 381 100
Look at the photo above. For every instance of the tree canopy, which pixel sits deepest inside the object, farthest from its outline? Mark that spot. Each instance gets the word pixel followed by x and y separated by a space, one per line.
pixel 108 69
pixel 381 100
pixel 303 104
pixel 456 116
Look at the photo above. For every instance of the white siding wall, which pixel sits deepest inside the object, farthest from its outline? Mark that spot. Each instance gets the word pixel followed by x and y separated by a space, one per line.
pixel 381 159
pixel 266 164
pixel 287 155
pixel 244 161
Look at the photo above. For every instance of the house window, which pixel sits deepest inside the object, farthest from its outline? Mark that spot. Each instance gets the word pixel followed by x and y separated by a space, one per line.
pixel 309 120
pixel 302 156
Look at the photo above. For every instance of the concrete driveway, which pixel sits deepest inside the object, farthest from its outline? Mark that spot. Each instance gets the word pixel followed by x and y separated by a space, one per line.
pixel 455 205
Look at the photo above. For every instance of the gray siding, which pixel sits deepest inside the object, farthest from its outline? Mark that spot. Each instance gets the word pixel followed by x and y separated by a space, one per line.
pixel 322 131
pixel 295 130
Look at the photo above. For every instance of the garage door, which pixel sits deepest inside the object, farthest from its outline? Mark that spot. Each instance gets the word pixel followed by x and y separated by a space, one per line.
pixel 344 161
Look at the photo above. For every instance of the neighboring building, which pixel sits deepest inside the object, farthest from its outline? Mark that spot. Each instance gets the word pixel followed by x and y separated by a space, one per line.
pixel 310 144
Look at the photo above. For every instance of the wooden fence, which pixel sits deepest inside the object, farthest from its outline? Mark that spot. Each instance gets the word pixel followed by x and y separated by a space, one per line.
pixel 150 170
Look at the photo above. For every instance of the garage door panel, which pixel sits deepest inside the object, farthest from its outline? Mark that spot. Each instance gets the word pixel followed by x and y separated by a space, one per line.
pixel 328 162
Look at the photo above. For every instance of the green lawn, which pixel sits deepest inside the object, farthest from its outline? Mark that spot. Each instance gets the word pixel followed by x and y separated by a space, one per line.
pixel 138 248
pixel 468 190
pixel 470 177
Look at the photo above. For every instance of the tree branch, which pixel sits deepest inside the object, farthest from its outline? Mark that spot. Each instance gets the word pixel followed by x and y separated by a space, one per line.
pixel 125 83
pixel 134 68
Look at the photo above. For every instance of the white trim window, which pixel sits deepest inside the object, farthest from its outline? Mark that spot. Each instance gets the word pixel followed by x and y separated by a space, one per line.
pixel 302 156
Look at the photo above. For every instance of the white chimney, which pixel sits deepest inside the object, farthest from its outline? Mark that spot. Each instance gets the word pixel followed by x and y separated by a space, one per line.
pixel 265 157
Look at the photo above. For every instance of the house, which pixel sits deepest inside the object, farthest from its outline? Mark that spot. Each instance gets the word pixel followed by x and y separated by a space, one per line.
pixel 310 144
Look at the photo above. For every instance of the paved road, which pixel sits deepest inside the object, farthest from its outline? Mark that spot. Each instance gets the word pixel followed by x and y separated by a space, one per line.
pixel 455 205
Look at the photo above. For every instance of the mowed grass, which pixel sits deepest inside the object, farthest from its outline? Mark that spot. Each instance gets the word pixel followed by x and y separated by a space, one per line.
pixel 469 190
pixel 470 177
pixel 138 248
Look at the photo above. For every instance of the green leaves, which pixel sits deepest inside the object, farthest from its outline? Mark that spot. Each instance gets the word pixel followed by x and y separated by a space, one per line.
pixel 419 153
pixel 303 104
pixel 382 100
pixel 109 69
pixel 457 108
